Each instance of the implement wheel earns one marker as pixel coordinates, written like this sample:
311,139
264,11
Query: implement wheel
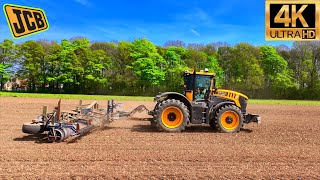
171,115
229,119
33,128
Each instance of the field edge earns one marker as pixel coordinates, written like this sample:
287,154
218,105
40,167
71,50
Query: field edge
145,98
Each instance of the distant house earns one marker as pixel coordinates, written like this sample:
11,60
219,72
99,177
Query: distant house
8,86
16,85
21,85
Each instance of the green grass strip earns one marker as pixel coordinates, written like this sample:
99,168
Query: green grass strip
75,96
142,98
284,102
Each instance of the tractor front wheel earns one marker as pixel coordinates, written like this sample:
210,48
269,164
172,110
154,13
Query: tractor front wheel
171,115
229,119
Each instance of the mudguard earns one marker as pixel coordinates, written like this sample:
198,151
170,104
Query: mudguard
172,95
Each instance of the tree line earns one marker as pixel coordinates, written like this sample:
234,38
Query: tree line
142,68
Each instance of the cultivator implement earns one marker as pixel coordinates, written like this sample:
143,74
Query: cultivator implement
60,125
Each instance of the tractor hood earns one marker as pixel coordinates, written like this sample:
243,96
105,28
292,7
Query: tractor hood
227,92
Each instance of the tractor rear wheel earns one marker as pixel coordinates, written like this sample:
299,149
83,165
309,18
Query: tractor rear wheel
229,119
171,115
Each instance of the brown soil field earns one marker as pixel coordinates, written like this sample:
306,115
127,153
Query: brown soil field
286,145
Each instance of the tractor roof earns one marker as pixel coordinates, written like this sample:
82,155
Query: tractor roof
199,73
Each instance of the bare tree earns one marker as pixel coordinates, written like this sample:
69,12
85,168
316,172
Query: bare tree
177,43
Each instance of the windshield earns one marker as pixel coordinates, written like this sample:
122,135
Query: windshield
202,86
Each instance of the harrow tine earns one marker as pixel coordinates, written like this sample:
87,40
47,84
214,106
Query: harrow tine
138,109
63,124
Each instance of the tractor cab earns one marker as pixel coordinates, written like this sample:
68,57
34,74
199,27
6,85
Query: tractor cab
198,85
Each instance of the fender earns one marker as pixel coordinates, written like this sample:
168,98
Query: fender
173,95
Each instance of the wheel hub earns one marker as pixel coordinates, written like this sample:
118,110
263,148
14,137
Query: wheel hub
229,120
172,116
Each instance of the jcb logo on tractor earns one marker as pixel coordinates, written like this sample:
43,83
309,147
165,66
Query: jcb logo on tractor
292,20
25,20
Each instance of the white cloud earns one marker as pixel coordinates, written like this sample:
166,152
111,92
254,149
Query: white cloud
196,16
195,32
201,14
82,2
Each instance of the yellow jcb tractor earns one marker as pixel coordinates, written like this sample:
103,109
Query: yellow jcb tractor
201,103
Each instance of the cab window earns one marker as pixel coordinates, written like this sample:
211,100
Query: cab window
189,82
202,86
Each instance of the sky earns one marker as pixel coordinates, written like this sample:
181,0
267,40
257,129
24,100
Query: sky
191,21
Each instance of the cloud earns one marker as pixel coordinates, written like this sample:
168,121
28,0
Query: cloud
196,16
141,30
82,2
195,32
54,33
201,14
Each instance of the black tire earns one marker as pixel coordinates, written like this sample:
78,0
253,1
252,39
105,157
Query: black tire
228,119
171,115
33,128
153,124
212,124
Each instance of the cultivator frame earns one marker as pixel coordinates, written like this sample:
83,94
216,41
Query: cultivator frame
61,125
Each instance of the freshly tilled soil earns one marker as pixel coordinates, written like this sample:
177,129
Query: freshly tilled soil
286,145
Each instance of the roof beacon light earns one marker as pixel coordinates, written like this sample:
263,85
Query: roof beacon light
206,70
